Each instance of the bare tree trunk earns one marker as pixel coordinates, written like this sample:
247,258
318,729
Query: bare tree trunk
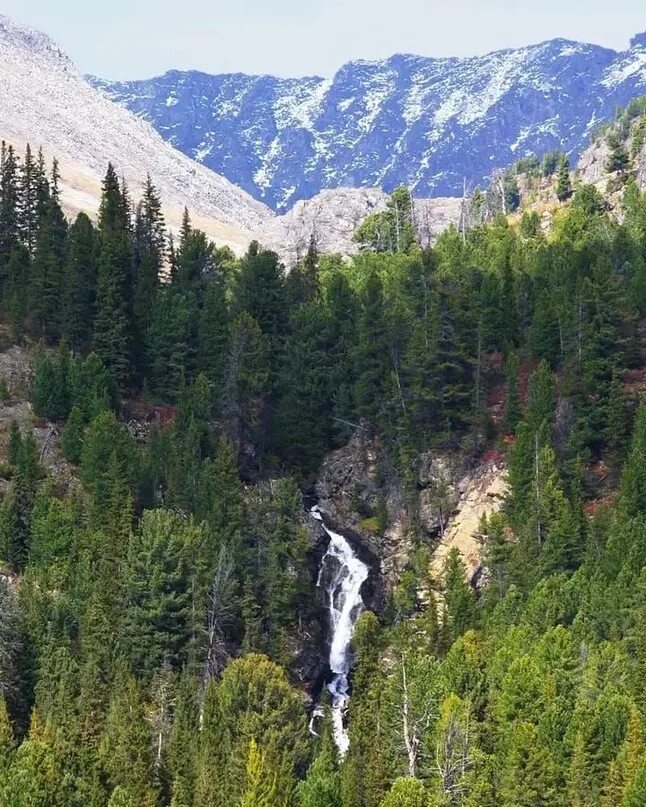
411,741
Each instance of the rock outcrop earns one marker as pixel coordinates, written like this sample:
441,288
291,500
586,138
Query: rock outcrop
333,216
478,494
354,493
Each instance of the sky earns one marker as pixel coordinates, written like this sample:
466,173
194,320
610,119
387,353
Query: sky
142,38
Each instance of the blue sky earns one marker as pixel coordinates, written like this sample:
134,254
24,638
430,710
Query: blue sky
141,38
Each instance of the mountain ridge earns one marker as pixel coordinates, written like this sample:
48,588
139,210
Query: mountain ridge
427,122
45,101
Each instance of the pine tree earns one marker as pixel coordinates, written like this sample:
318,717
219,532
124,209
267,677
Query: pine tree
29,208
79,290
635,796
9,204
580,775
159,583
322,786
253,701
213,334
260,781
49,393
149,247
48,271
125,749
72,436
633,480
7,743
512,403
459,599
112,338
260,293
246,384
370,351
563,181
16,289
406,792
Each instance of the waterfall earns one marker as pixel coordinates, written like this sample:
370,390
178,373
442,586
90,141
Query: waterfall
342,574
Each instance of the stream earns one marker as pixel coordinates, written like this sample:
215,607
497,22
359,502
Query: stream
341,575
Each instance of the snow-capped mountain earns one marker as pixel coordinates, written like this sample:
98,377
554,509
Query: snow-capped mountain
428,123
46,102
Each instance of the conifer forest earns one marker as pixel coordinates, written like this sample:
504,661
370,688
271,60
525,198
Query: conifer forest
163,639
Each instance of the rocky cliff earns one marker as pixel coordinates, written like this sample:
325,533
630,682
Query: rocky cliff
355,492
333,216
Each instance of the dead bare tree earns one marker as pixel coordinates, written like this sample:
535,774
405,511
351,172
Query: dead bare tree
161,714
416,716
453,750
220,616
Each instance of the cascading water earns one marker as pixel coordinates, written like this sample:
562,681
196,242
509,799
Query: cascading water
342,574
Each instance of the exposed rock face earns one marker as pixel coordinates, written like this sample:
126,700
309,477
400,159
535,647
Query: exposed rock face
333,216
592,165
46,102
453,497
478,494
434,216
352,495
409,120
640,168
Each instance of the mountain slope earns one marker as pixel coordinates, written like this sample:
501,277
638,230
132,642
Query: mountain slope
45,101
428,123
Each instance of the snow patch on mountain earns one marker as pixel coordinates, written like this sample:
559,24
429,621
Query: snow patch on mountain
428,123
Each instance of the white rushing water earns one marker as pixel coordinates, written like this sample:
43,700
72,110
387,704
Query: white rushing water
342,574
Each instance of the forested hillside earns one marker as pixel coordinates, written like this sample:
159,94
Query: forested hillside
158,591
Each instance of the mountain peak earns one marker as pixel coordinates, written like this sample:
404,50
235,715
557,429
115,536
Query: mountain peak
35,44
45,101
638,41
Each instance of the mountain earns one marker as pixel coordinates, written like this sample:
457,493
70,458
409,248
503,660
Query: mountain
428,123
45,101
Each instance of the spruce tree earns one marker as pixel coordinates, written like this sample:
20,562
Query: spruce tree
149,246
80,279
563,181
9,203
29,209
112,337
633,480
48,271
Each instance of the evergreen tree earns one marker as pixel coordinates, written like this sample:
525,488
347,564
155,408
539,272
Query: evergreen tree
563,181
370,351
112,337
406,792
159,583
633,480
125,749
48,271
322,786
459,599
9,203
79,291
260,781
72,436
